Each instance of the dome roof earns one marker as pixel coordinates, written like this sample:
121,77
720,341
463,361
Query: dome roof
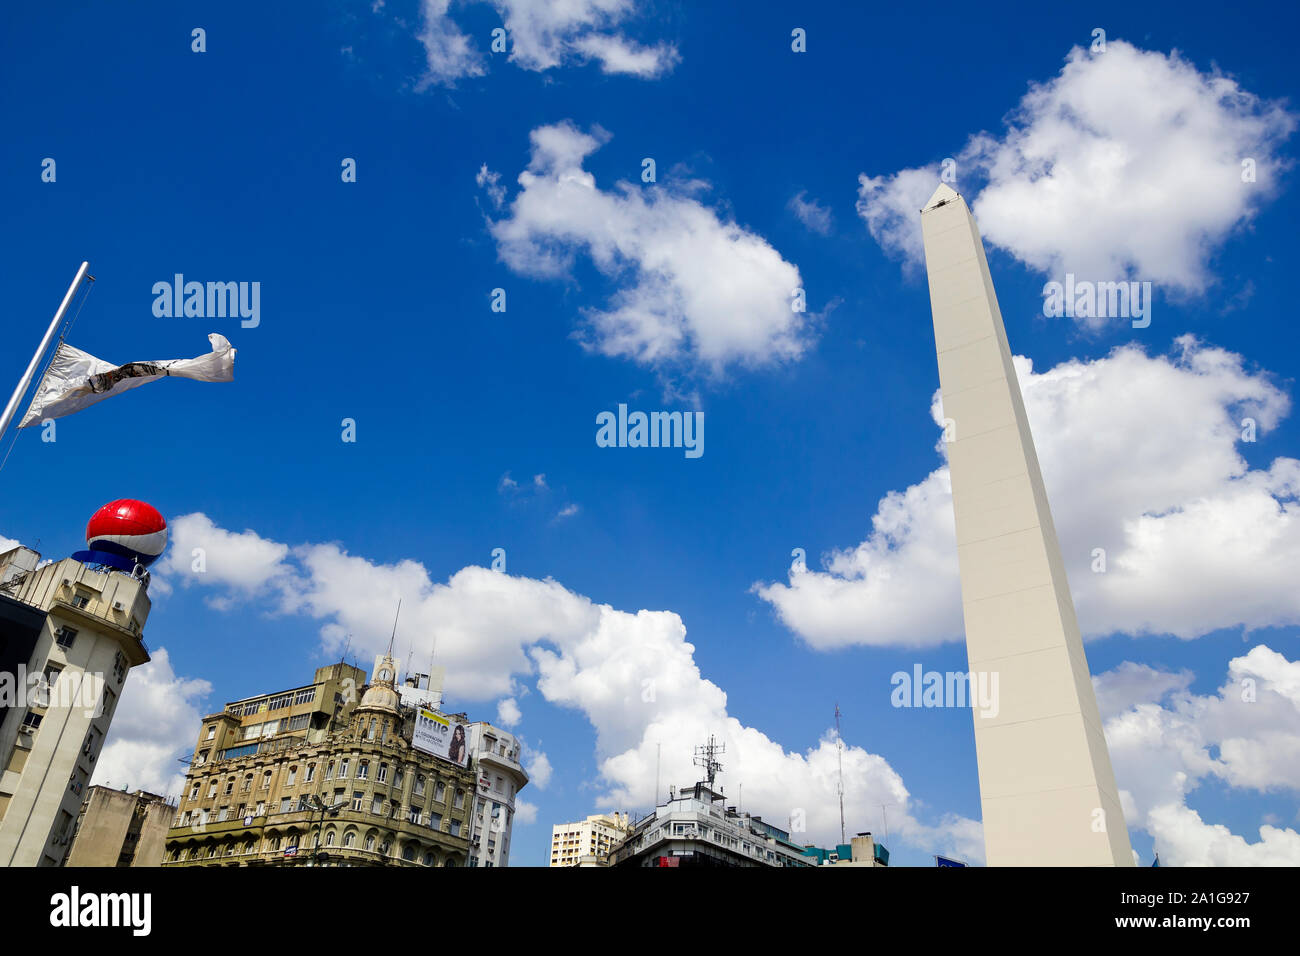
382,693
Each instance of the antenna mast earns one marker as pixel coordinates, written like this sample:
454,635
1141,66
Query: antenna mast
839,757
705,757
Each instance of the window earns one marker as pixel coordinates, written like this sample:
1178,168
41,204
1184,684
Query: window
305,696
358,797
266,780
248,784
343,769
370,841
460,800
419,784
371,734
311,773
363,770
349,838
329,838
230,786
293,773
490,743
81,600
297,723
261,807
222,814
397,777
500,781
435,821
194,792
408,854
383,773
64,636
212,790
329,770
440,792
413,814
428,859
377,804
286,805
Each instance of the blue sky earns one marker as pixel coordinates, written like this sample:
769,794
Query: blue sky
375,306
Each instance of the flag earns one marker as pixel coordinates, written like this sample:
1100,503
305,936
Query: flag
77,380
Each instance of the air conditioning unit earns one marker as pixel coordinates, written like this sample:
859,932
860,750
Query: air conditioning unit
118,606
26,731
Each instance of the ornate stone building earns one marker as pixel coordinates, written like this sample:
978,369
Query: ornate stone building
342,787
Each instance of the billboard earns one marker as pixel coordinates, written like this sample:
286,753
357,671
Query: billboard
436,735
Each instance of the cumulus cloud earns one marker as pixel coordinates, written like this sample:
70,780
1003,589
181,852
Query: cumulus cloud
1194,538
8,544
632,675
811,213
490,183
1165,741
508,713
539,770
694,287
156,721
543,35
1126,164
525,812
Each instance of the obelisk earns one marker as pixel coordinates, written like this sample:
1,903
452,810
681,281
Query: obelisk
1047,789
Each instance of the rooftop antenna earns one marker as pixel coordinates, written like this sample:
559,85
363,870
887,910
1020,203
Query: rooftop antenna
394,637
705,756
839,757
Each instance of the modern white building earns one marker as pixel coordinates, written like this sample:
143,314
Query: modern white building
588,842
494,757
695,827
68,635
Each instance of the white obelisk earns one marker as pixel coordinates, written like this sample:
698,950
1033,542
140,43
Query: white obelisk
1046,786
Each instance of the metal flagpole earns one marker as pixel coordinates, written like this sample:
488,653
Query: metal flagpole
12,408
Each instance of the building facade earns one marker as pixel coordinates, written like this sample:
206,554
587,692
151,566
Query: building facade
344,787
862,851
69,633
498,778
588,842
696,828
117,828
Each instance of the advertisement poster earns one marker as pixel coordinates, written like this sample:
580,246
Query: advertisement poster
435,734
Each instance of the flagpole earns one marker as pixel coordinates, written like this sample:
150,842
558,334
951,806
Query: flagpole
26,380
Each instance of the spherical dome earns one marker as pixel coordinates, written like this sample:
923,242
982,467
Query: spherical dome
129,529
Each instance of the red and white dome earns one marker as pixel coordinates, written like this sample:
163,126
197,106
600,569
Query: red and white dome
128,528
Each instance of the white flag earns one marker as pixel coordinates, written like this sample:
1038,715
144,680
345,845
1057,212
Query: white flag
77,380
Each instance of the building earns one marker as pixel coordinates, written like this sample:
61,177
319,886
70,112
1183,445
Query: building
588,842
303,776
863,851
499,776
696,828
69,633
1047,789
117,828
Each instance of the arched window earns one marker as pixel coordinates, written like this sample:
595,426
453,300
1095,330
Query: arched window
363,770
329,838
343,768
428,859
274,844
371,734
349,838
451,861
248,783
293,773
370,841
408,854
266,780
311,772
329,770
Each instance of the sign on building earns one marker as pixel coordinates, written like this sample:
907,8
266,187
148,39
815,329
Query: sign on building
436,735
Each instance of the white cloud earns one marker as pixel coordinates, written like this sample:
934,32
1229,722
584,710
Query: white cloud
525,812
1163,744
1195,539
632,675
568,511
542,35
539,770
156,722
242,560
1128,163
449,55
695,288
811,213
8,544
508,713
490,182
